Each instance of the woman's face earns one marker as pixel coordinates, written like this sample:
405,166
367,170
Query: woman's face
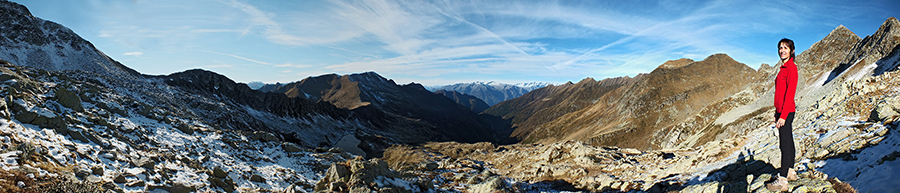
784,51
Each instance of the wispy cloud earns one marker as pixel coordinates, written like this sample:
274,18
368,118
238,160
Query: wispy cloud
136,54
294,65
238,57
219,66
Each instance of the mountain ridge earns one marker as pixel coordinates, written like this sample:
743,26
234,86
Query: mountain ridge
435,112
491,92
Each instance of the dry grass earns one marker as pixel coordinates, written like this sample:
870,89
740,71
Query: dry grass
841,187
456,150
10,178
54,168
403,157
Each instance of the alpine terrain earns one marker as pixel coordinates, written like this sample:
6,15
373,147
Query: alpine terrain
73,119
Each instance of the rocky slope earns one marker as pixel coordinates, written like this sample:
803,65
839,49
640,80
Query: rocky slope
66,129
548,103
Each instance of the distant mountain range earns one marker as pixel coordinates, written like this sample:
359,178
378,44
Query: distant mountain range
491,92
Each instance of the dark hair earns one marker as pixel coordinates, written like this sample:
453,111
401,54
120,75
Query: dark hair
790,44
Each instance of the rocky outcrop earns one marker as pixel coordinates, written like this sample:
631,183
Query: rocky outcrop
369,176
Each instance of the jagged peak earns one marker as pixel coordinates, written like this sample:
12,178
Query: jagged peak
841,29
587,80
839,32
890,23
890,27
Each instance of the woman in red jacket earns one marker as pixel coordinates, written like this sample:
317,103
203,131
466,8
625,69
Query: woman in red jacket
785,89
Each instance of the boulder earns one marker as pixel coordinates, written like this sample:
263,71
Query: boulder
366,176
226,184
138,183
335,173
120,179
290,147
144,162
26,116
81,172
264,136
97,170
180,188
219,173
4,110
69,99
492,184
257,178
885,110
184,128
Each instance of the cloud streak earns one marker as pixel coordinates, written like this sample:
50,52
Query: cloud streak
135,54
238,57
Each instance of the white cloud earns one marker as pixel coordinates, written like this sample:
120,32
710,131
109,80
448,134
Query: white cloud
135,54
294,65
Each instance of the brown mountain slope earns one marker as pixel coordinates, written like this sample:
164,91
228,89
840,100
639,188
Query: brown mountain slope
629,115
545,104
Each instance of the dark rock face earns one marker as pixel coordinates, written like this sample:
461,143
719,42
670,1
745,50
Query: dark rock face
468,101
218,86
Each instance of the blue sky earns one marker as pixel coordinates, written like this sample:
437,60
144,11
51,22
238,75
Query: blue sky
445,42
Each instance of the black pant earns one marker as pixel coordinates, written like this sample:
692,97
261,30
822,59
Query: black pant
786,142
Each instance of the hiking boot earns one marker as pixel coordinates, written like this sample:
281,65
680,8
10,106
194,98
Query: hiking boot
792,175
779,185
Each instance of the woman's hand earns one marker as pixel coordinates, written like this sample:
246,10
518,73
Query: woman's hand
779,123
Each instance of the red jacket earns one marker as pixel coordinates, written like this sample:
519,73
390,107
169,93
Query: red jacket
786,88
